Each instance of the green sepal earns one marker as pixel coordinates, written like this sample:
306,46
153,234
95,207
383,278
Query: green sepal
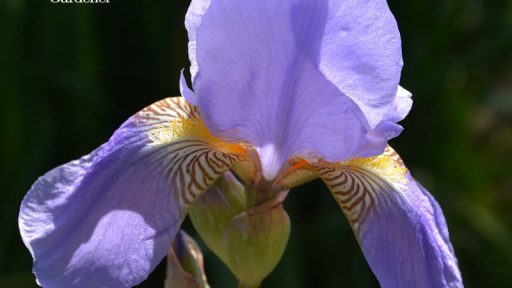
249,240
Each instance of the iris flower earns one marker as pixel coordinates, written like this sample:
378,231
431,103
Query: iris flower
283,91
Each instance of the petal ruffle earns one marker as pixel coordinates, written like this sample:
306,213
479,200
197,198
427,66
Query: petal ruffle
193,20
401,106
294,77
400,227
107,219
377,139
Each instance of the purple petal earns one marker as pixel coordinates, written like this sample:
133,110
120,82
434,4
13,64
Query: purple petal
294,77
188,94
193,21
107,219
400,227
103,220
361,54
401,106
377,138
406,243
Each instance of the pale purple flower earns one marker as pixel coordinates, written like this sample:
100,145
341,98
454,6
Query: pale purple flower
295,89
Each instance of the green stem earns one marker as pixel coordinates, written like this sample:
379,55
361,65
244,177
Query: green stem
260,193
248,286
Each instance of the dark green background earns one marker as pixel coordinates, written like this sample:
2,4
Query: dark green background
71,74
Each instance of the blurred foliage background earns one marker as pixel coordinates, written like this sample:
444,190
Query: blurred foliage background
71,74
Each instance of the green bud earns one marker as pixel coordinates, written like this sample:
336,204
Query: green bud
185,264
255,243
249,238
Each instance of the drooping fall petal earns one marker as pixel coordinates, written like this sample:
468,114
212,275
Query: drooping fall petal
107,219
399,225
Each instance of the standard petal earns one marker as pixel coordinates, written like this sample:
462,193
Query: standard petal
193,21
188,94
377,139
400,227
401,106
106,220
294,77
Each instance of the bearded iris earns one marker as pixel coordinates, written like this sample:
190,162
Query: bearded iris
282,92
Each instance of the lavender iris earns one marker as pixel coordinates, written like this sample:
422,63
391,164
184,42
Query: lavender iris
282,92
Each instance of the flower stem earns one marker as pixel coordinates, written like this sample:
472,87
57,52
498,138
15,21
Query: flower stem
248,286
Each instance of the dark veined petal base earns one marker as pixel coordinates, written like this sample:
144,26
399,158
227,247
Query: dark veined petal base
400,227
107,219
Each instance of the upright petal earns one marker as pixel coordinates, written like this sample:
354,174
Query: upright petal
401,106
107,219
294,77
188,94
400,227
377,138
193,21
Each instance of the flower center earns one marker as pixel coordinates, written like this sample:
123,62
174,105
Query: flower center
271,162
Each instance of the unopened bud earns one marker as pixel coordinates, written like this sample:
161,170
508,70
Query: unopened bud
185,264
255,242
249,240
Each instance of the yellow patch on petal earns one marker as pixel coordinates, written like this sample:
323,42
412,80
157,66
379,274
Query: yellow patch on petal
181,127
363,185
388,165
195,157
186,127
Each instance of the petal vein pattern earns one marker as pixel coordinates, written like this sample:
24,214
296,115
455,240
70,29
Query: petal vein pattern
358,189
107,219
398,224
196,157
